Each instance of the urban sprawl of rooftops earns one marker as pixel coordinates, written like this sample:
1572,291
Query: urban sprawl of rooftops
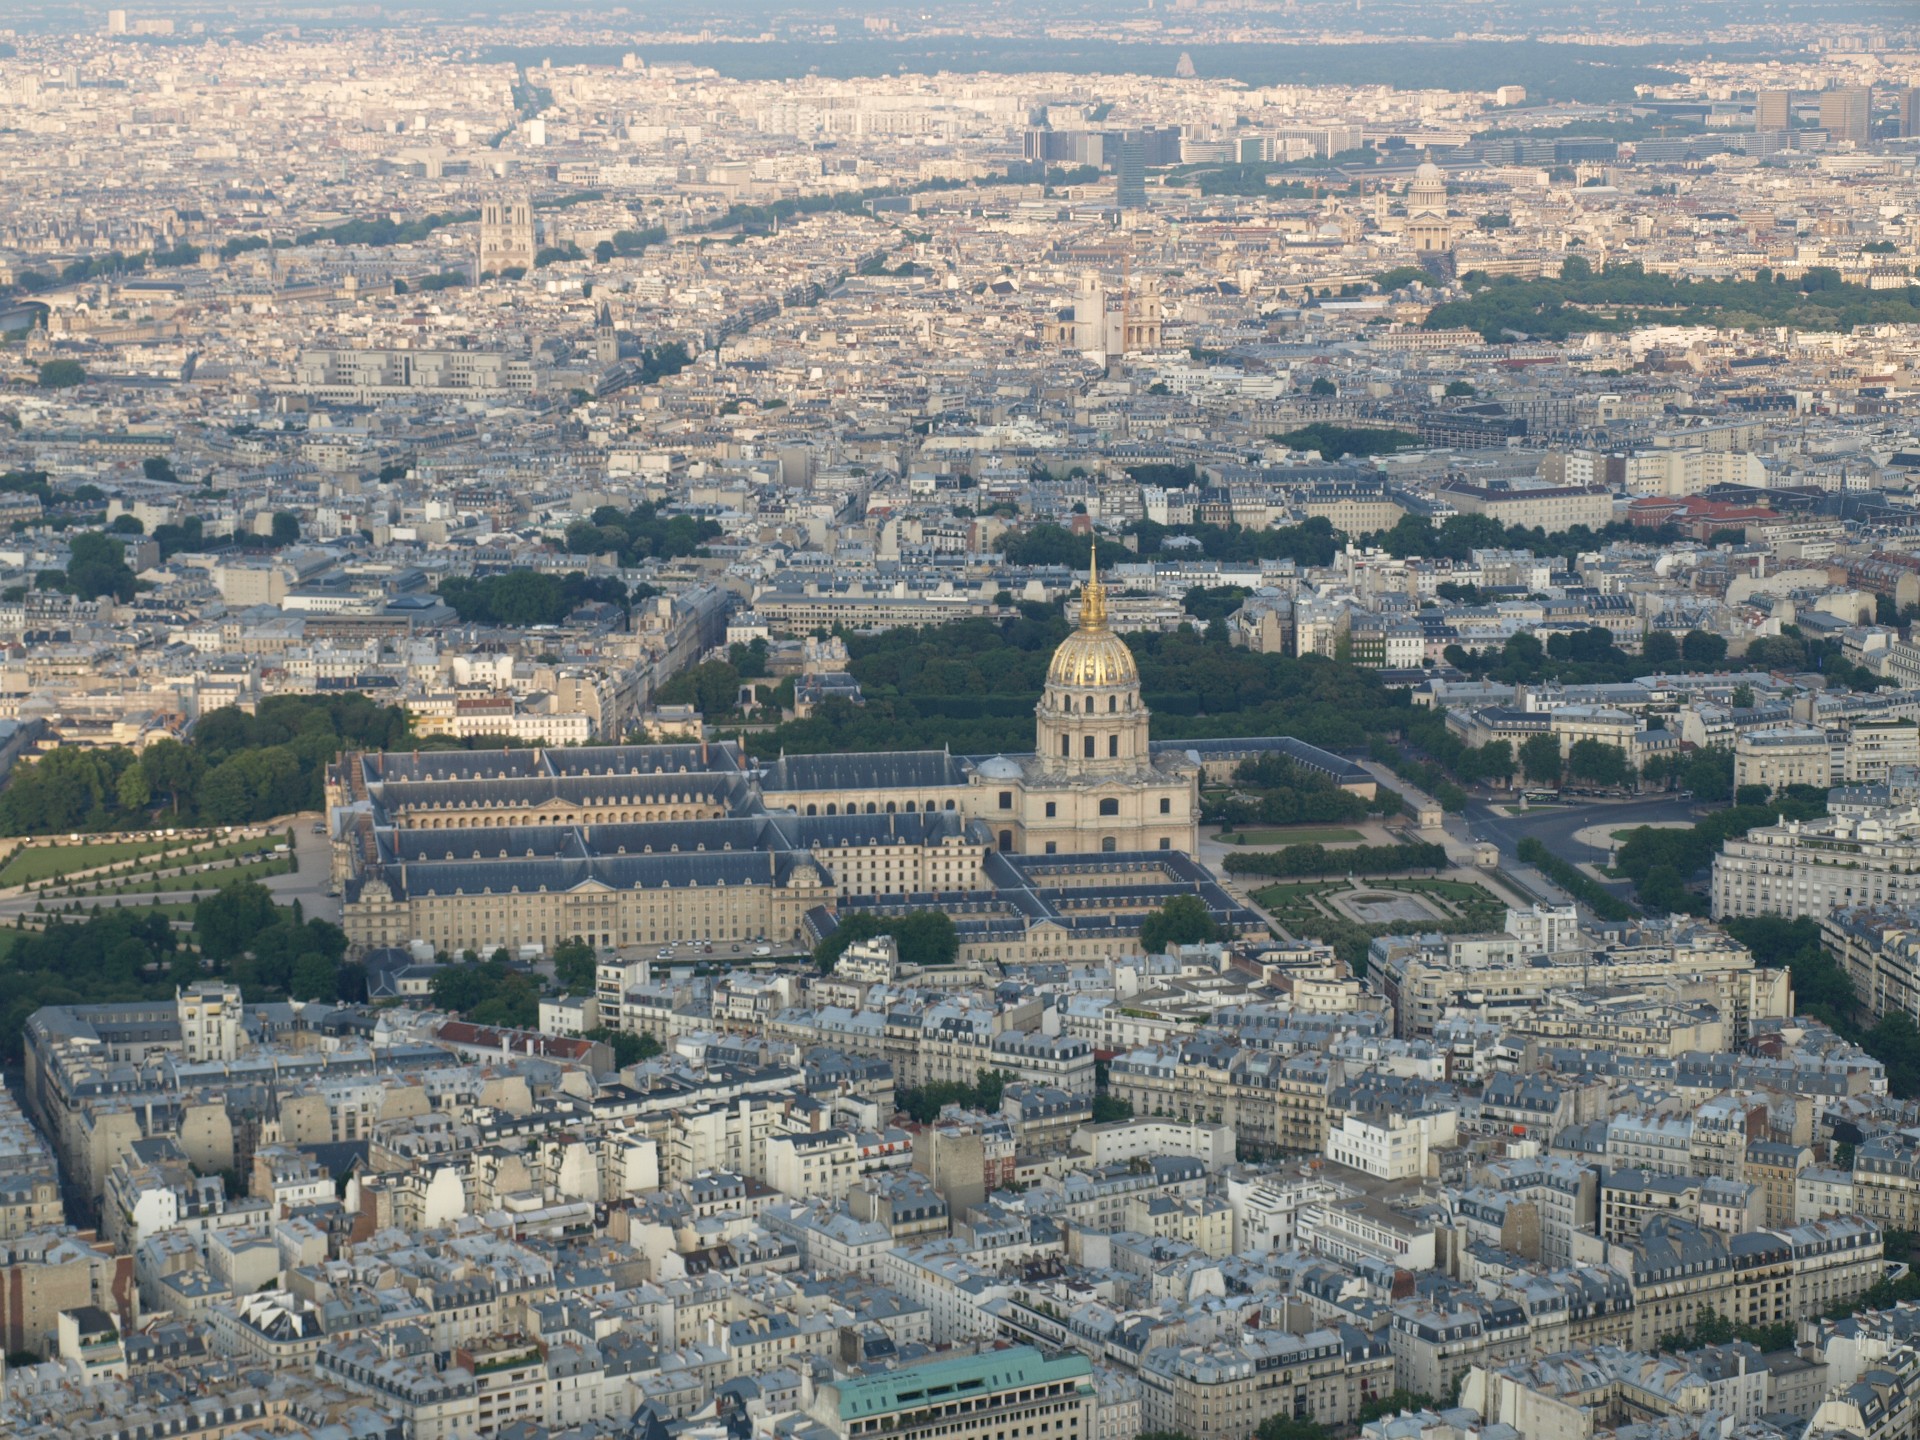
1182,724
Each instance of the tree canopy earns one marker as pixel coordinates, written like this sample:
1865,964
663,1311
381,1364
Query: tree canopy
233,767
527,597
1183,920
639,534
1624,297
970,685
921,937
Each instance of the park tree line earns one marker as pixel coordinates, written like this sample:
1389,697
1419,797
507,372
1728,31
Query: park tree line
1301,860
1315,541
532,597
1546,308
232,768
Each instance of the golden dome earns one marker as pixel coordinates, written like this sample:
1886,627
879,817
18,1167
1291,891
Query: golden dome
1093,654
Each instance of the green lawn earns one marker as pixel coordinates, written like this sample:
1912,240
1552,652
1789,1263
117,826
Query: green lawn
43,862
173,909
1479,909
197,880
1293,835
204,855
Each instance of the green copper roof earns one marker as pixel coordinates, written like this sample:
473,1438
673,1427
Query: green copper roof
1013,1368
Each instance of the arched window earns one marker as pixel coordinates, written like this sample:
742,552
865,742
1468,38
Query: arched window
1106,844
1113,703
1089,704
832,809
872,809
815,809
1110,806
890,809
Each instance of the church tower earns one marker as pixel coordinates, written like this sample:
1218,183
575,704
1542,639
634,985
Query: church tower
1090,722
606,340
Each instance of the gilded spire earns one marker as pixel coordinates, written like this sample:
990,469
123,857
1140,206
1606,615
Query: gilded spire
1093,599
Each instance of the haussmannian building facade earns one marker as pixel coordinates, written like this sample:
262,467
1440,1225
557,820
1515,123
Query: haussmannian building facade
1816,867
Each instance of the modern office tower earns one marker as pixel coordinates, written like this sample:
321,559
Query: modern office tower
1773,110
506,235
1844,113
1130,169
1910,112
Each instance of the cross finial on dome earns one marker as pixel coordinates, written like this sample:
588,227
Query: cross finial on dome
1093,599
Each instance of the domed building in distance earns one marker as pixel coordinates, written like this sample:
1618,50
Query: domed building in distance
1429,226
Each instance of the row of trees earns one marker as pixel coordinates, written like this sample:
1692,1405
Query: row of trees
530,597
1576,882
1556,308
1312,542
1589,657
1429,775
1334,441
96,267
1710,1327
1047,544
1458,536
1707,773
1353,860
234,768
384,230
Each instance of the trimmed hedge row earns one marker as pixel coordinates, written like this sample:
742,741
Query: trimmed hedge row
1357,860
